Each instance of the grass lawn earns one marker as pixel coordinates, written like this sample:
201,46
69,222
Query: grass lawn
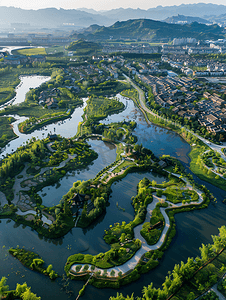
32,51
100,107
176,195
35,111
202,174
123,165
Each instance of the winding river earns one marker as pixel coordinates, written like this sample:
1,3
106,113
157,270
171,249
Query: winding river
26,83
193,228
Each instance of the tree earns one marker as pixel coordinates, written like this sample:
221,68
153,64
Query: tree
59,79
191,296
3,287
53,275
222,234
122,238
153,183
159,193
49,269
205,252
28,295
21,288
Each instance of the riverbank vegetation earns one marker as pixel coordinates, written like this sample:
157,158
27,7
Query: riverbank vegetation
33,262
22,291
191,279
100,107
46,104
6,130
198,147
34,123
10,80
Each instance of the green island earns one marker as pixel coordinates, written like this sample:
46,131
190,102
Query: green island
37,165
97,108
33,261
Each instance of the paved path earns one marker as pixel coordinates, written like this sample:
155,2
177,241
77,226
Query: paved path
214,288
18,181
49,147
3,199
130,264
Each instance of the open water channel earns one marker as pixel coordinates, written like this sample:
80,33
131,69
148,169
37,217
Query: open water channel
193,228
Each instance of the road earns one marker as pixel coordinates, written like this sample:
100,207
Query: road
217,148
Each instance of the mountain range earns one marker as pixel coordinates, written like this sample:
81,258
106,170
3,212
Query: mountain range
52,17
181,19
150,30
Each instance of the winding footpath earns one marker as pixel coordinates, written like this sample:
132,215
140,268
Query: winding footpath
131,264
23,176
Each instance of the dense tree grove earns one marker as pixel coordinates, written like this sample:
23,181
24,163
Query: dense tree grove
22,291
32,152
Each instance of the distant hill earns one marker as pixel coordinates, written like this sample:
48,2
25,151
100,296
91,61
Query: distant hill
155,30
84,32
83,47
50,17
181,19
90,29
218,19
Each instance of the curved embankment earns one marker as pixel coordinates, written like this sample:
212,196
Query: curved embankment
143,106
130,264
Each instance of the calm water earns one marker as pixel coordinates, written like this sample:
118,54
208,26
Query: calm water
66,128
26,83
193,228
106,155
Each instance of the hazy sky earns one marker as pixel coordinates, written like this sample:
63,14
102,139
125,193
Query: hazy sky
99,4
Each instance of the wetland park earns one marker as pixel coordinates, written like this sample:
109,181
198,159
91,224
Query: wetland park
100,194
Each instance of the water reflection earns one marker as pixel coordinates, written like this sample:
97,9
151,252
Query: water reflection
193,228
